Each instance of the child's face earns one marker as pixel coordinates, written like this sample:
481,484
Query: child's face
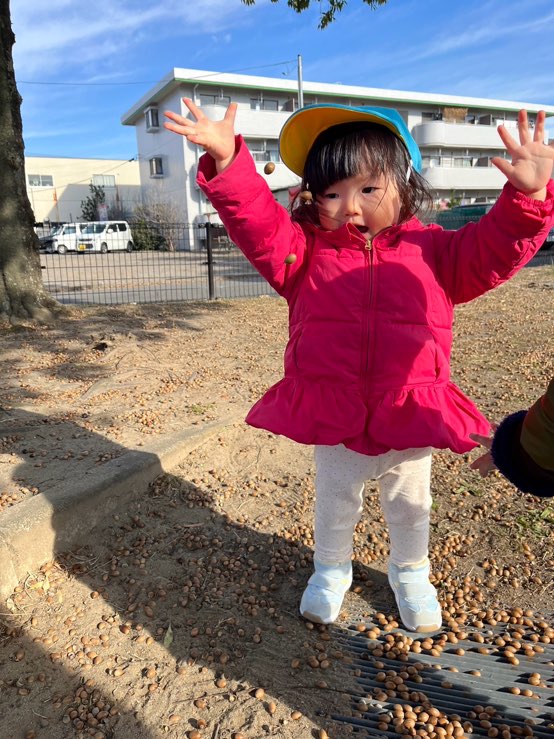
369,202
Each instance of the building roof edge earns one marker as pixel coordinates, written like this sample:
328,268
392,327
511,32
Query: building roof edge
230,79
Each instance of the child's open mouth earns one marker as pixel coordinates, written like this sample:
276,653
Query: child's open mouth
362,229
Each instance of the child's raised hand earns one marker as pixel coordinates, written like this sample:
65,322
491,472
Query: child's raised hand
216,137
532,160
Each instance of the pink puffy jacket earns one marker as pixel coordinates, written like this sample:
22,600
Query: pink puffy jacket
370,323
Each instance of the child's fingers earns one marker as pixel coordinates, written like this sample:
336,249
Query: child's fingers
539,127
194,109
483,440
477,464
507,139
231,113
503,165
178,124
175,117
523,127
484,465
176,128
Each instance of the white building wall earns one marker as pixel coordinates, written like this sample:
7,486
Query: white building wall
71,177
478,180
439,140
459,135
180,157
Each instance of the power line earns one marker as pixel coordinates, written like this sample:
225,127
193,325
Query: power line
149,82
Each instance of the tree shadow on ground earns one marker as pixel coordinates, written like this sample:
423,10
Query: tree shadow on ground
184,592
187,591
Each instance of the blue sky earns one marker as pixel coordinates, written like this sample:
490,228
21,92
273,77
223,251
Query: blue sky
116,51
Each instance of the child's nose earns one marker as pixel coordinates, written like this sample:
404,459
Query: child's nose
351,205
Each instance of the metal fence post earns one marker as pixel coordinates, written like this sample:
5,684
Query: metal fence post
210,255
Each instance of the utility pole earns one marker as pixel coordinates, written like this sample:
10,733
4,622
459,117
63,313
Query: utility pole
300,90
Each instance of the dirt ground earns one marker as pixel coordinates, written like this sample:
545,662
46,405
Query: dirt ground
178,616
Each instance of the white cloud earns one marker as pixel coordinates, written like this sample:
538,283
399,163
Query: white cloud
62,34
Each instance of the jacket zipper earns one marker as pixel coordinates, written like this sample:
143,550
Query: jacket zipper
368,333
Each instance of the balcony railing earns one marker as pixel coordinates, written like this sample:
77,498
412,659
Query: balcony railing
461,134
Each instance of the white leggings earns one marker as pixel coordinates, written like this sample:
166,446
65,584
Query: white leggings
404,485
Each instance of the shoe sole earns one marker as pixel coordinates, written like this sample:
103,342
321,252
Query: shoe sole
425,628
314,618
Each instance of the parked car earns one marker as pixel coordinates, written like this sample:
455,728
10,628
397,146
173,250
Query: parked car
62,239
459,215
105,236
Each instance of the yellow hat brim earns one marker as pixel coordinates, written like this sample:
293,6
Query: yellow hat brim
302,129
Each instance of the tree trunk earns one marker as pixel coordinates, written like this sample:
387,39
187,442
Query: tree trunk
22,294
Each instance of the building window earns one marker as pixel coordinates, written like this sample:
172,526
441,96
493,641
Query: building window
152,119
103,180
40,180
224,100
263,104
263,150
156,167
434,115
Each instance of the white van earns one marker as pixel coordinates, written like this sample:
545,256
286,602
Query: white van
62,239
105,236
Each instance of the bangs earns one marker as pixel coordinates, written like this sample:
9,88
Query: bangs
350,149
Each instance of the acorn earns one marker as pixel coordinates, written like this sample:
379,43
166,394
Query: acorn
269,167
290,259
306,196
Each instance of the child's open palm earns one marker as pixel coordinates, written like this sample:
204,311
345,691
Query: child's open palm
532,160
216,137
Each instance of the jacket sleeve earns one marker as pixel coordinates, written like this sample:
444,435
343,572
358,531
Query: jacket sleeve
516,463
482,255
255,221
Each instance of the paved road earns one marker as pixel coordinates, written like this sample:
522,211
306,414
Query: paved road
139,277
152,277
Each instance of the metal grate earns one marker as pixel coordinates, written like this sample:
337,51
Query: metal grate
454,685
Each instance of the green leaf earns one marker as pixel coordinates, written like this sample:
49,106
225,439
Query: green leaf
168,638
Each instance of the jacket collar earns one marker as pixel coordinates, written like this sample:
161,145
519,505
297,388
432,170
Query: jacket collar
349,234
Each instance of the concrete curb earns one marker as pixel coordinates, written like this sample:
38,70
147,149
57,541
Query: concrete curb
32,532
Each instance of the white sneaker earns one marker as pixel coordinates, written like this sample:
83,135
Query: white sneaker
415,597
322,599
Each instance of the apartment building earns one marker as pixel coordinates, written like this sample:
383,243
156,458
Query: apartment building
56,186
457,135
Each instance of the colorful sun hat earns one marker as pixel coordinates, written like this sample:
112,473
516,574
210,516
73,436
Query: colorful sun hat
303,127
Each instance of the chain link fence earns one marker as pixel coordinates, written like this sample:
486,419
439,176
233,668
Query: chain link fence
166,263
163,263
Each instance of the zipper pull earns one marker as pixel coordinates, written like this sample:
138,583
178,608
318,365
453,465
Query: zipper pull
369,244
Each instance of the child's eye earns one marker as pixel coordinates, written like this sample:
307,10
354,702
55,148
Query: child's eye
368,190
330,195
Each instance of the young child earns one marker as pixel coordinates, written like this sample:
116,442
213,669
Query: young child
371,293
522,447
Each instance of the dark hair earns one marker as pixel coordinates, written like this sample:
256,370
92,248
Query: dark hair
348,150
